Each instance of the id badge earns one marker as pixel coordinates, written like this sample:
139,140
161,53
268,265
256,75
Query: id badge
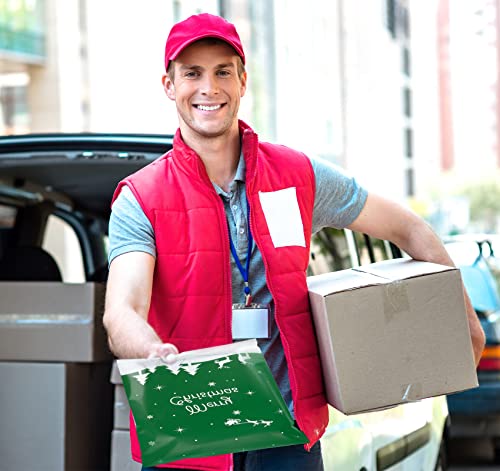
252,322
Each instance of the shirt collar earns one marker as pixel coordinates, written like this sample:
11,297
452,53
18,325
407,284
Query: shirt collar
239,176
241,169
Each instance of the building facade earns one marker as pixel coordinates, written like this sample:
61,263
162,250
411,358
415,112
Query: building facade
333,79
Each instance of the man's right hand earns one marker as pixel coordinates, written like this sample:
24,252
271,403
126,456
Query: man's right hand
162,350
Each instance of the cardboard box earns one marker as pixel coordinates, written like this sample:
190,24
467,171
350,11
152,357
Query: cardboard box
121,459
52,321
390,333
121,409
55,416
115,377
121,405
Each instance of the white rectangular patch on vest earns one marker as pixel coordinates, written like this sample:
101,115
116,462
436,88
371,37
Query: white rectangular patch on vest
282,213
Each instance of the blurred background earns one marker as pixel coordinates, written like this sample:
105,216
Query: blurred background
402,93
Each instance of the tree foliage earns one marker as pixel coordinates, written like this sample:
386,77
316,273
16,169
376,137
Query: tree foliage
484,201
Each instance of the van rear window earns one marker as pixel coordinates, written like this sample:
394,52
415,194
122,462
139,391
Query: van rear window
7,216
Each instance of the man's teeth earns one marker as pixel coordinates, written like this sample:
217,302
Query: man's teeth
208,108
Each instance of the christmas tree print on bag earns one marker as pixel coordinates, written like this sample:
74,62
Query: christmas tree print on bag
206,402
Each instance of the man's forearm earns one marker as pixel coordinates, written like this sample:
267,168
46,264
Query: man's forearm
420,242
129,335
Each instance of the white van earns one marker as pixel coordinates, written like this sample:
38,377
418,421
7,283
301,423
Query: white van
55,193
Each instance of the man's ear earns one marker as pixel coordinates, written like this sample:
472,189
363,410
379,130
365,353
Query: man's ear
243,86
168,86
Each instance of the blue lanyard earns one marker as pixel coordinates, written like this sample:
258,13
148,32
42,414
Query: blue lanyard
244,271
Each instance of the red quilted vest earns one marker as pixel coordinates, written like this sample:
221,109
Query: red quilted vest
191,297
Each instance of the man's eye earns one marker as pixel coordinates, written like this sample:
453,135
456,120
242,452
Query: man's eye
223,73
191,74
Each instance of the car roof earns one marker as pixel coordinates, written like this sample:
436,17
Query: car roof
79,170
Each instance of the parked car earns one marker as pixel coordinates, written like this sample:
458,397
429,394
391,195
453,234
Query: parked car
55,193
476,412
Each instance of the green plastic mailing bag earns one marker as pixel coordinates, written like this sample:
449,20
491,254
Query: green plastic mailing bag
206,402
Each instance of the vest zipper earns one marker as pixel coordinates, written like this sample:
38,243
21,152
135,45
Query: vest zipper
225,247
284,342
229,315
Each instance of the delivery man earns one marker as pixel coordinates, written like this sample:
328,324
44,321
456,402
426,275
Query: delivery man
224,220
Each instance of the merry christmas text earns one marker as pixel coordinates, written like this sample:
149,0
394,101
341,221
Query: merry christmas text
194,408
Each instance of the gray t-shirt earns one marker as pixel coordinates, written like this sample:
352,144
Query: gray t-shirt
338,202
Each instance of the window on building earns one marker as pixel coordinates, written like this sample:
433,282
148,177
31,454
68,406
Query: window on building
397,18
410,182
407,102
390,16
408,142
406,62
14,117
22,27
403,21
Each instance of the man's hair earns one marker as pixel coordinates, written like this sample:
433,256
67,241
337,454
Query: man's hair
212,42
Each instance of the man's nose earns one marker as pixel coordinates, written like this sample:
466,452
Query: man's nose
209,85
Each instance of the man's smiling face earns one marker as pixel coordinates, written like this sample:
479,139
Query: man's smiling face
206,87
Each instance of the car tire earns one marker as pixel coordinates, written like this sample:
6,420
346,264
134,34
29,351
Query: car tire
496,451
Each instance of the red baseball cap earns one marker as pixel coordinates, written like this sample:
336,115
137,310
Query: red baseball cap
198,27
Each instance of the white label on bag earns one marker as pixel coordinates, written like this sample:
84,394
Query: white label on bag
282,213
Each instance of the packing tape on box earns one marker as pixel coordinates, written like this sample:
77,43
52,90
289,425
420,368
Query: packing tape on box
411,392
395,300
